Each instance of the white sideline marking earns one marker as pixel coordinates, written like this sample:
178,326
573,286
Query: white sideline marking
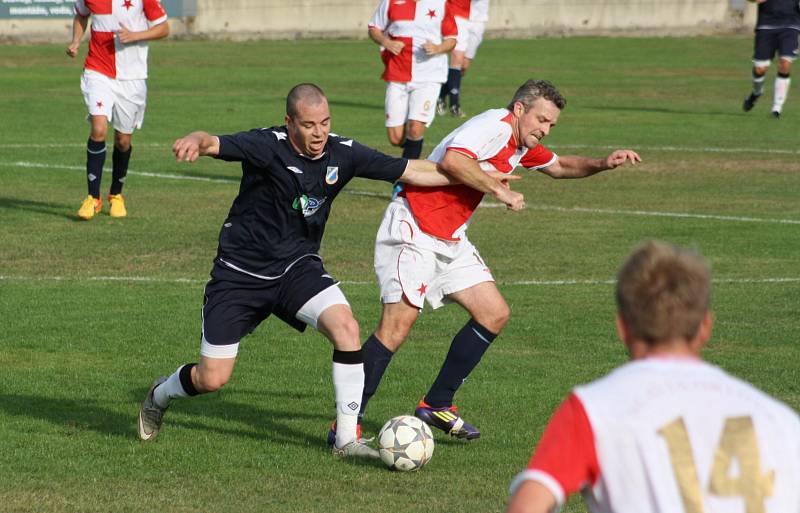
484,204
705,149
148,279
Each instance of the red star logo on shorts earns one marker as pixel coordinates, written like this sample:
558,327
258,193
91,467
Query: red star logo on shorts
99,104
431,13
127,4
422,288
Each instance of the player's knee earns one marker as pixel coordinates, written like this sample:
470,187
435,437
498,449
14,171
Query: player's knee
396,139
496,319
211,381
759,71
351,331
416,131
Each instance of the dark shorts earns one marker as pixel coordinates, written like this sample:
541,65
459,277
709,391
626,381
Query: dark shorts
236,303
769,41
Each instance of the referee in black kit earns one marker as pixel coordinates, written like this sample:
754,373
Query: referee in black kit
267,261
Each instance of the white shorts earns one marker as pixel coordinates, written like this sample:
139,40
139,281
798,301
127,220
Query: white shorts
418,266
411,100
121,101
470,36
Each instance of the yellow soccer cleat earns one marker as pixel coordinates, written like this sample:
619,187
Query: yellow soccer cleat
117,203
90,207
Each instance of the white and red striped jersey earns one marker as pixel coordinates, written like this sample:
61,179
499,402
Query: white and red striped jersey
472,10
445,211
106,54
671,435
414,22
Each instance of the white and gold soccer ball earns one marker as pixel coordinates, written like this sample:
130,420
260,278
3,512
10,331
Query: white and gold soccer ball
405,443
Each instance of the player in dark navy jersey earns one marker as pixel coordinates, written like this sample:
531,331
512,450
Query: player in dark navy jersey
268,262
777,29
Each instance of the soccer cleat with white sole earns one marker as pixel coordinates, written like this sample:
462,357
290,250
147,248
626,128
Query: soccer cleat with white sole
447,419
355,449
151,414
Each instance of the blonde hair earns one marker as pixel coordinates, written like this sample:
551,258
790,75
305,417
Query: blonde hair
663,292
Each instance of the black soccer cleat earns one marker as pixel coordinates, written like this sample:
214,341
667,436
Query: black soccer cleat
749,102
776,114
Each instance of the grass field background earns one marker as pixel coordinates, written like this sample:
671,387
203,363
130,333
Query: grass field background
92,312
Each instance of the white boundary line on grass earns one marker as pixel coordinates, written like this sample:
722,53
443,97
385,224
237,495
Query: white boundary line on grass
485,204
702,149
148,279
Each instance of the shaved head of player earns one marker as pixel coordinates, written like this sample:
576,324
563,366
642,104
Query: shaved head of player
308,119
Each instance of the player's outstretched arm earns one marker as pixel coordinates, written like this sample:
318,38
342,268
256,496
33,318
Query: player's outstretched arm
155,32
194,145
467,171
572,166
79,24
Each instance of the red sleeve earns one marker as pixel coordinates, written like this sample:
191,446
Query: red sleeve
537,157
153,10
566,451
449,27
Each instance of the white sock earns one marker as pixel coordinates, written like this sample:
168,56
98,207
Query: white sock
172,387
348,384
781,90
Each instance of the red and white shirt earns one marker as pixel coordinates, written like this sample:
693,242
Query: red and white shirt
414,22
445,211
106,54
472,10
671,435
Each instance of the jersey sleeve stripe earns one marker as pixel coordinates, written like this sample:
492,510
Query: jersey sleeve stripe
549,163
542,477
463,151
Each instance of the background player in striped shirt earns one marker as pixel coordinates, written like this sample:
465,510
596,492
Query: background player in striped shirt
414,36
471,17
114,85
666,432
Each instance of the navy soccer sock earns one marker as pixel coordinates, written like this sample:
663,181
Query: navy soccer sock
119,161
376,359
95,159
443,92
465,352
412,149
454,86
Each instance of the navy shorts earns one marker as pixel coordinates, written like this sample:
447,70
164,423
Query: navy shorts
236,303
768,41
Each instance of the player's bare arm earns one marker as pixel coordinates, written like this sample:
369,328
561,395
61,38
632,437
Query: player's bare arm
532,497
425,173
467,171
79,24
380,38
572,166
194,145
127,36
434,49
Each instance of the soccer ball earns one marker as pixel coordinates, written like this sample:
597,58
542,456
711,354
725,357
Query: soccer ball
405,443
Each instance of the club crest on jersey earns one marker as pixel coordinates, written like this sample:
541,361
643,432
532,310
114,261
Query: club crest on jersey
307,205
332,176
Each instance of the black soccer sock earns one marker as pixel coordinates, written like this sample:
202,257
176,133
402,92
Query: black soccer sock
119,161
376,359
412,149
758,83
95,159
443,92
465,352
454,85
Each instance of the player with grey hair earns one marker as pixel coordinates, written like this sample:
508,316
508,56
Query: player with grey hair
422,251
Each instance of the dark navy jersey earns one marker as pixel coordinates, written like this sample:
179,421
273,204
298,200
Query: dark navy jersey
285,198
774,14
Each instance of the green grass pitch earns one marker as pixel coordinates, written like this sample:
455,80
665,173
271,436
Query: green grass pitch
92,312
